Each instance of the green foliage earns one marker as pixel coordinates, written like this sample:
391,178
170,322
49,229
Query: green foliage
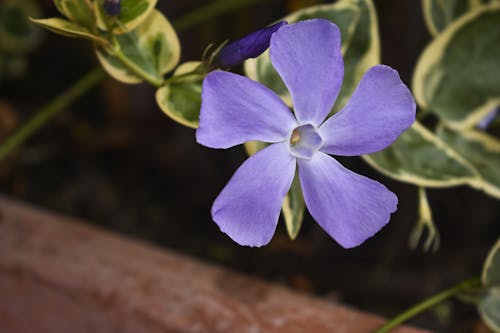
456,78
424,223
438,14
482,151
294,208
457,75
421,158
180,97
78,11
69,29
138,45
489,304
357,22
17,34
363,51
491,269
147,52
132,14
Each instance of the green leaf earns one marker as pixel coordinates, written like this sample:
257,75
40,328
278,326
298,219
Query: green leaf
457,75
482,151
153,48
181,99
419,157
489,305
80,12
363,51
491,268
294,208
132,14
346,14
69,29
489,308
438,14
254,146
17,34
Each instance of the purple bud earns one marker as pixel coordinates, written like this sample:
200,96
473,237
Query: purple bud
250,46
488,119
112,7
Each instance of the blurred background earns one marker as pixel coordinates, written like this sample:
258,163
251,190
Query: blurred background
113,158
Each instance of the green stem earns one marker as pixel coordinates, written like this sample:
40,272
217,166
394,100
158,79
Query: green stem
93,77
50,111
195,17
209,11
466,285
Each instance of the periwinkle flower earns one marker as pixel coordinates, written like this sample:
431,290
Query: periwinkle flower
112,7
235,109
250,46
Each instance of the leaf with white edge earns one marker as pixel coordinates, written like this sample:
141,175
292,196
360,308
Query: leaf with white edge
363,52
438,14
345,14
419,157
489,304
489,308
181,99
457,75
17,34
491,268
69,29
80,12
153,48
132,14
252,147
294,208
159,39
482,151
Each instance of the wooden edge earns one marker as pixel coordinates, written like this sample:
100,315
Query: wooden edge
60,275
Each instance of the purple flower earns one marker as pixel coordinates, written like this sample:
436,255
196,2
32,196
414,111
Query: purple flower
250,46
235,109
112,7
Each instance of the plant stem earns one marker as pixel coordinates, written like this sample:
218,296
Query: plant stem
210,11
96,75
217,7
466,285
49,111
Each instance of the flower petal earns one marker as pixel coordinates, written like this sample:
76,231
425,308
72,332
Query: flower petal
380,110
235,109
349,207
307,56
248,208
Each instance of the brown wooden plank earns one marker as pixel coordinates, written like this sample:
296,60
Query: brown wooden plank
59,275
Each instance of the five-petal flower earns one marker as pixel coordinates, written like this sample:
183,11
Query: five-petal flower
235,109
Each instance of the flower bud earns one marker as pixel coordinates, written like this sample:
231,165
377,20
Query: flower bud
488,119
250,46
112,7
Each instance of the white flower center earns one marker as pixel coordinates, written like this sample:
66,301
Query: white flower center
305,141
